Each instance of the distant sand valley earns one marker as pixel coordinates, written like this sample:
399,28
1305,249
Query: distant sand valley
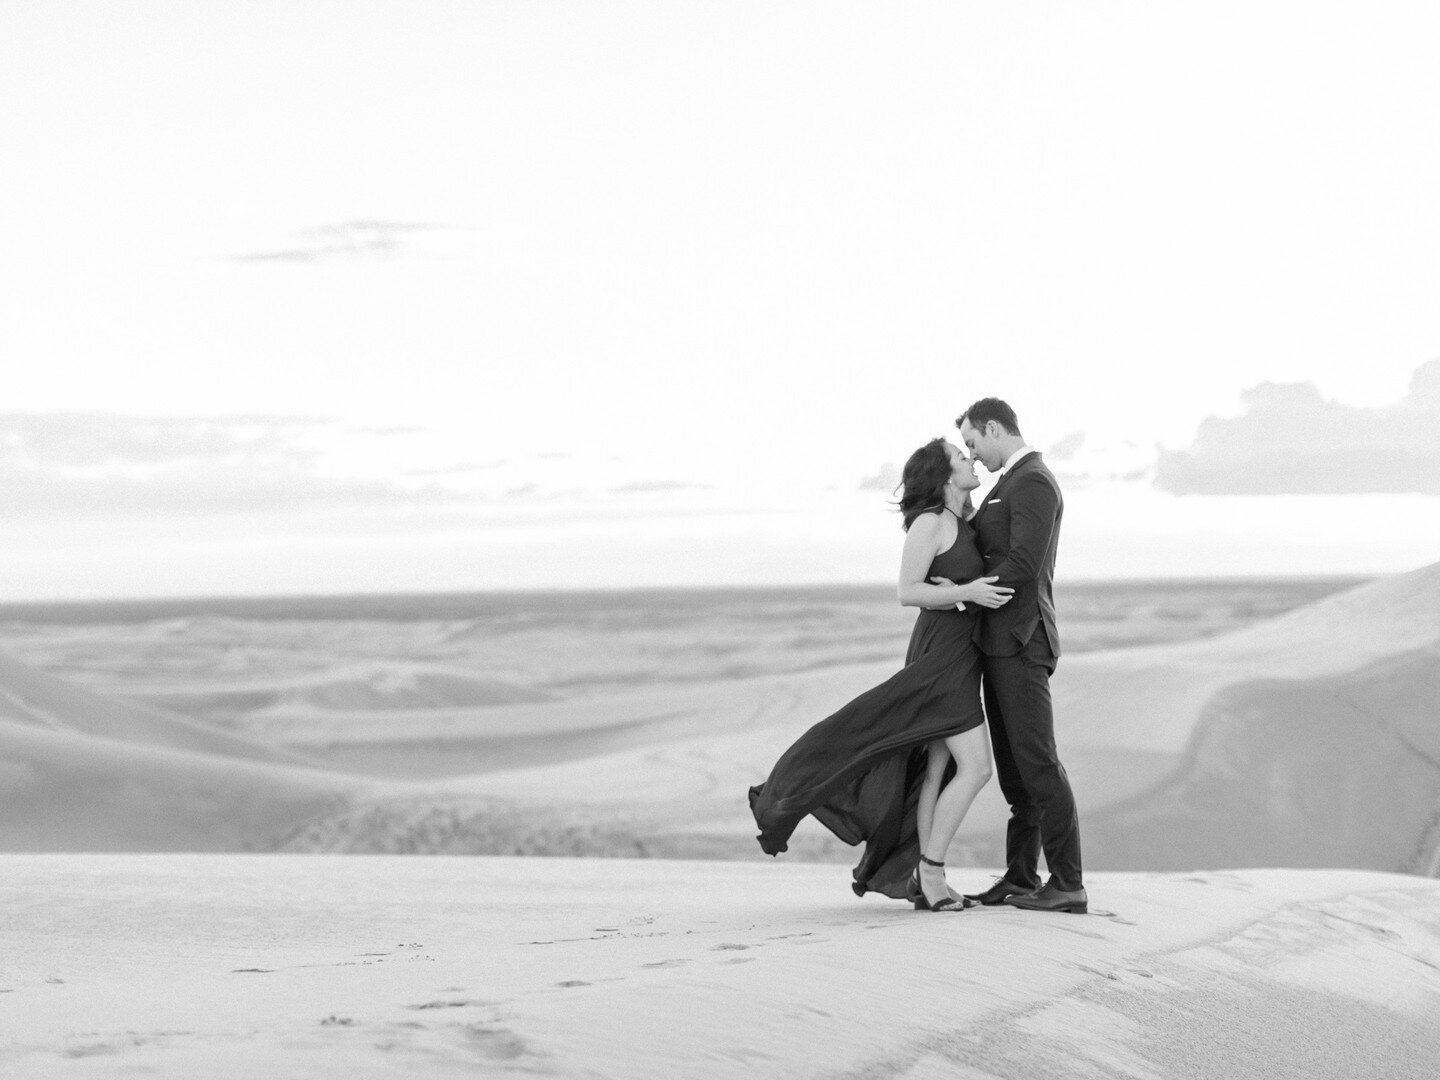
1204,724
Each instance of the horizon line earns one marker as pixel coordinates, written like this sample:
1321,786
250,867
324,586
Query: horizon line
1149,581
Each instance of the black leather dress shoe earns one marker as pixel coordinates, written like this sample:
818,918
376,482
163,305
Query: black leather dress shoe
1050,898
997,893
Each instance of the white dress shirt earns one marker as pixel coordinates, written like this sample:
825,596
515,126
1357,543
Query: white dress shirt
1016,456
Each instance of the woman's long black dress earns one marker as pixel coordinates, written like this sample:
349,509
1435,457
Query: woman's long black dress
859,770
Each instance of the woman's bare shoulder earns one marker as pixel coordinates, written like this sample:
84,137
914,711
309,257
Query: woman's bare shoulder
927,524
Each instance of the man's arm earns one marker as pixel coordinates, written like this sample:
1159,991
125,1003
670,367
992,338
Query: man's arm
1033,506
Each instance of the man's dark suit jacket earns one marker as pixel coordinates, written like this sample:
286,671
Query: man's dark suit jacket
1017,530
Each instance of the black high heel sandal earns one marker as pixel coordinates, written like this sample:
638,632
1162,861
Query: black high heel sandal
919,900
914,893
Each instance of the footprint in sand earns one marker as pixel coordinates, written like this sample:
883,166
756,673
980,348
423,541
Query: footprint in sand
1377,931
573,982
1082,933
665,963
494,1043
1102,913
727,945
91,1049
458,1004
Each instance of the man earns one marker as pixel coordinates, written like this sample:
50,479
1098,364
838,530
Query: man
1017,530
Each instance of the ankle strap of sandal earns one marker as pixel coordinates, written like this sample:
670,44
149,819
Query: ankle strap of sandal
932,862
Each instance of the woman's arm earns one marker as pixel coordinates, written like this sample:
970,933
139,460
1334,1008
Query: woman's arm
982,591
922,544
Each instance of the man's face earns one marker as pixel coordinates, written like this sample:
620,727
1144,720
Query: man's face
983,446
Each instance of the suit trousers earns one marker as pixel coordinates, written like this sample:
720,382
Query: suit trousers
1022,735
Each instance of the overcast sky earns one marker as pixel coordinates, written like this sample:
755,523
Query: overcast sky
319,297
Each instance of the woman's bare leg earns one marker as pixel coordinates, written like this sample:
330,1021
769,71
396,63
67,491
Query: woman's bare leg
971,750
939,757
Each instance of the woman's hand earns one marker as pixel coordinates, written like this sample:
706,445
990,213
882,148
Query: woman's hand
981,591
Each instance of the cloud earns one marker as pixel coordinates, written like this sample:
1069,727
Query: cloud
1291,440
82,441
100,466
1078,461
355,241
886,478
1066,448
390,429
657,486
457,469
1081,461
96,464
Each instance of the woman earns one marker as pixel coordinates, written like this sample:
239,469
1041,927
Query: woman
899,766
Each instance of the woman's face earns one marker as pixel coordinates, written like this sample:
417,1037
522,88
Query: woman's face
962,469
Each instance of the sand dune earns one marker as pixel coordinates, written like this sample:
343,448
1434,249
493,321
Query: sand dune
314,966
1342,770
1309,739
31,697
451,741
381,689
62,791
1149,698
79,771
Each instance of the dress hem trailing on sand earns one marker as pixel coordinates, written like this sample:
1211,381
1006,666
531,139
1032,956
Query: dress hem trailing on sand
859,770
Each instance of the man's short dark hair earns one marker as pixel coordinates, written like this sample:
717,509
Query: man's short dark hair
987,409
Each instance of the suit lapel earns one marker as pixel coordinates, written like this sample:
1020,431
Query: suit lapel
999,484
1024,462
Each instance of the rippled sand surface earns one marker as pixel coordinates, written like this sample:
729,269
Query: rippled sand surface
327,966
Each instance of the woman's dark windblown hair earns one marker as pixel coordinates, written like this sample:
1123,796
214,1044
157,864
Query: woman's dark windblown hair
923,482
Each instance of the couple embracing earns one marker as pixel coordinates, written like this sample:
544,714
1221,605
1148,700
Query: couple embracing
898,767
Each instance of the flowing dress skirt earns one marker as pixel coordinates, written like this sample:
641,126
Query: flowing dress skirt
859,770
